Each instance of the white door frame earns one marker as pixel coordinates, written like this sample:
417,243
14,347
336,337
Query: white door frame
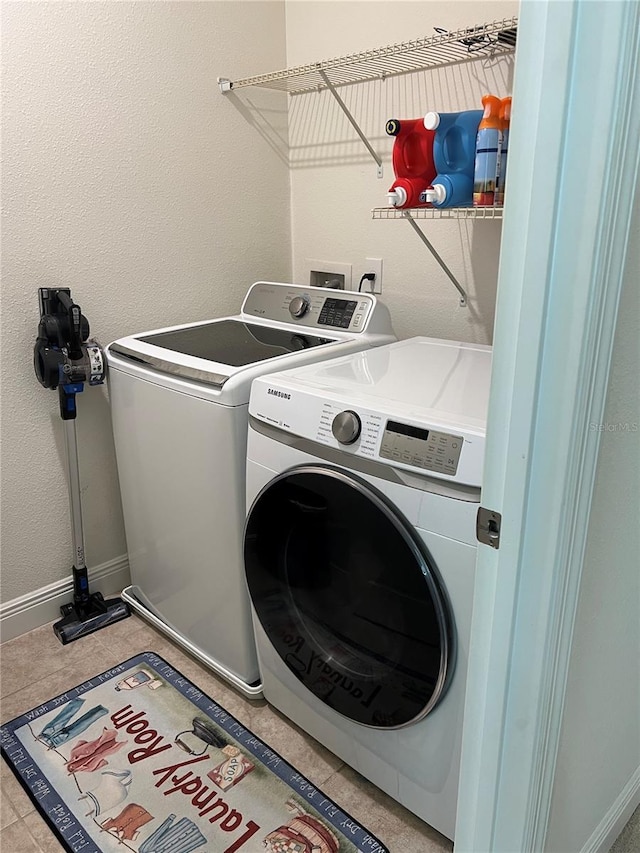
572,175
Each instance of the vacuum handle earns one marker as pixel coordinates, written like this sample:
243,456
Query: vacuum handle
75,505
74,315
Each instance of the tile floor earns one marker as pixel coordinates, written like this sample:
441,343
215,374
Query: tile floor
36,667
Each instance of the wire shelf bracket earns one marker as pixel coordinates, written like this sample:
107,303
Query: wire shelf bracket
411,214
430,247
353,122
227,85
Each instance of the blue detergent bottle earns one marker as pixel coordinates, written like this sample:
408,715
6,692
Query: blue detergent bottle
454,151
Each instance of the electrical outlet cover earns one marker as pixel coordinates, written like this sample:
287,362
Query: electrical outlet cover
373,265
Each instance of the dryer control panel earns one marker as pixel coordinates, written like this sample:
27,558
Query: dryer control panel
418,405
380,436
422,448
417,447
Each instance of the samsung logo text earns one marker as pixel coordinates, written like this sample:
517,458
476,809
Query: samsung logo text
276,393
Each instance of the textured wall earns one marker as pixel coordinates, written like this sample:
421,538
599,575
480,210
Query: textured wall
128,177
334,182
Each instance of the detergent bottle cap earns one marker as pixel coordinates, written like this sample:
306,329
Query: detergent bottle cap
432,120
397,197
436,194
392,127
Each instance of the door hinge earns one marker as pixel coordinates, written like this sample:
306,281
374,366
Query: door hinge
488,524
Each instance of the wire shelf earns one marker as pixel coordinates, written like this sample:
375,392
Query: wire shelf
445,48
437,213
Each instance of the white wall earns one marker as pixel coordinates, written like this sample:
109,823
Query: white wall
128,177
600,745
334,183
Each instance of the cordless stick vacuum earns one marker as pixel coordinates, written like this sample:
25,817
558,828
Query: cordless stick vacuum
65,358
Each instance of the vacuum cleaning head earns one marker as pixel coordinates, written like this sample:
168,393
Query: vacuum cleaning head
103,612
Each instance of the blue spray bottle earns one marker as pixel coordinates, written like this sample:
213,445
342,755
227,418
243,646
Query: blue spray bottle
488,145
505,119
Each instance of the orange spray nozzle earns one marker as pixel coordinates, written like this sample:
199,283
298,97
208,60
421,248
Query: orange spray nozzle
505,111
491,118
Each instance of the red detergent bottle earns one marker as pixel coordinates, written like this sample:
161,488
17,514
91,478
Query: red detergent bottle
488,144
412,159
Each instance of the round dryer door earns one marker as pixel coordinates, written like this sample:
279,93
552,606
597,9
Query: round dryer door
348,596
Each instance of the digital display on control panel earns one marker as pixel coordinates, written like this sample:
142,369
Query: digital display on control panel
422,448
405,429
337,312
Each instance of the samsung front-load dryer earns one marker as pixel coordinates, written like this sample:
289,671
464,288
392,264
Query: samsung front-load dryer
363,482
179,400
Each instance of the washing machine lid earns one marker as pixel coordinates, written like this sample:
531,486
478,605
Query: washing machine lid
229,342
234,342
282,323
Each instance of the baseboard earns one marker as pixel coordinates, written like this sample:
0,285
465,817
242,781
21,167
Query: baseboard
43,605
616,818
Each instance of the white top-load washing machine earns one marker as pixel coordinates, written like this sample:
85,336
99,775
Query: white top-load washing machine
179,400
363,483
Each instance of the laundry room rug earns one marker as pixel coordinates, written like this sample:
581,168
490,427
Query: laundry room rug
138,758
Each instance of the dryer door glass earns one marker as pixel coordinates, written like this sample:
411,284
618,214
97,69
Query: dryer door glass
349,596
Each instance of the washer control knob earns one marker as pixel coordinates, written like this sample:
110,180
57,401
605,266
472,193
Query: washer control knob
299,306
346,427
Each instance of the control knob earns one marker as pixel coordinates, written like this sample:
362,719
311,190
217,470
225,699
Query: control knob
299,306
346,427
